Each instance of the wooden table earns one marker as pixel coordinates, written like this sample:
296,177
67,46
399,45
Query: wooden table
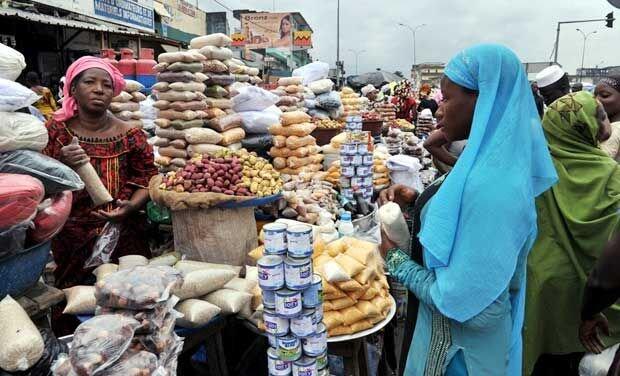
39,299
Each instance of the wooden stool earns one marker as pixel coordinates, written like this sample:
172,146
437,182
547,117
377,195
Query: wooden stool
354,356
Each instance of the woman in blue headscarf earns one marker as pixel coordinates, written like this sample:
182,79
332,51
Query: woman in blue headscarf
478,223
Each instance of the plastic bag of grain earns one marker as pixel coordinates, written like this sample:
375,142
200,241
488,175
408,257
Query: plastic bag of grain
187,266
21,131
217,39
196,313
80,300
241,284
22,344
253,98
394,225
201,282
12,63
229,301
202,136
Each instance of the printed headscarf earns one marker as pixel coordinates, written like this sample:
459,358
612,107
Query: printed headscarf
611,81
69,105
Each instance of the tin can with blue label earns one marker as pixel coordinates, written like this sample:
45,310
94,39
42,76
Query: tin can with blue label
275,238
363,170
273,340
299,241
367,160
303,325
270,272
277,367
289,348
362,148
275,324
288,303
305,367
297,273
318,314
316,344
321,362
348,148
346,160
347,171
269,298
313,295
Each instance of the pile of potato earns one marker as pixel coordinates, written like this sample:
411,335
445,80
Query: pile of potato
328,124
355,289
126,105
351,102
259,176
294,150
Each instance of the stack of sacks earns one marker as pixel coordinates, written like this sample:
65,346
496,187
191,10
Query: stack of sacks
355,289
291,93
221,117
182,108
380,172
134,311
126,105
294,150
351,101
309,103
35,197
386,110
242,72
327,101
258,112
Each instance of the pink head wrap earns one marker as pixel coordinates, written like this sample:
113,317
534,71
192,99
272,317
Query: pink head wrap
69,105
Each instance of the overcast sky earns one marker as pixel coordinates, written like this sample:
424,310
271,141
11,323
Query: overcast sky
527,26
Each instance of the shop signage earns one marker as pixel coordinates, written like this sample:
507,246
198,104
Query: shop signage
238,40
126,12
302,38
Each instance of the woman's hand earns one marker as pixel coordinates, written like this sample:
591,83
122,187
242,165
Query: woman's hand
398,193
589,333
73,155
118,214
386,244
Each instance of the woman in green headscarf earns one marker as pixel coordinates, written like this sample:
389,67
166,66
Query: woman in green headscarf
576,218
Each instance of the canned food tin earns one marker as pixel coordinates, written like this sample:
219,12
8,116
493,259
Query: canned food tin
313,295
299,241
358,118
275,238
367,191
346,160
273,340
277,367
270,272
362,148
347,192
367,160
321,362
297,273
345,182
288,303
322,372
289,348
269,298
275,324
302,325
357,181
305,367
366,181
347,171
363,170
348,149
357,160
316,344
318,314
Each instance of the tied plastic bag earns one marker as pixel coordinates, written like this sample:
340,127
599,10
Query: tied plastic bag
21,131
55,176
22,344
321,86
598,364
140,363
14,96
258,122
104,245
12,63
53,348
329,101
394,225
312,72
142,287
253,98
150,320
100,341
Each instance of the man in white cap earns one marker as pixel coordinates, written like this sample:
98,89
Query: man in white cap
553,83
370,91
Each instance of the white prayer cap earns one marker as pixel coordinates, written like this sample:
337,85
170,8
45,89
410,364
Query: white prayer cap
549,75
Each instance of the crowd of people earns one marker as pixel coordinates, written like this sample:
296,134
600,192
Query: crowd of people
511,268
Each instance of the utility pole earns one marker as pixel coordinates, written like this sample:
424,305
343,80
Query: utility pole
609,19
357,55
338,44
413,33
583,53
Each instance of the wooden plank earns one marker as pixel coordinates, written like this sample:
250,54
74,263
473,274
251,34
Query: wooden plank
45,296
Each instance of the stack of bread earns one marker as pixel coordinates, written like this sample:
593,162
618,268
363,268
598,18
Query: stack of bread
181,107
380,172
291,93
355,289
220,115
386,110
294,150
351,101
126,105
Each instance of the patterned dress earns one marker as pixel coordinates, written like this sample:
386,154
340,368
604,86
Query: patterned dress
124,163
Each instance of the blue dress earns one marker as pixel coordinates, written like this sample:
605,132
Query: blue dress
483,345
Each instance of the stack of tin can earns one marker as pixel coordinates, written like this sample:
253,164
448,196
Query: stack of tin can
293,303
353,124
356,162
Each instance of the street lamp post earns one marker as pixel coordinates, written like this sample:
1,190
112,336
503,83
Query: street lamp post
413,32
357,56
583,53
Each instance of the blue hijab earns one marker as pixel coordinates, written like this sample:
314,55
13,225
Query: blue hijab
484,214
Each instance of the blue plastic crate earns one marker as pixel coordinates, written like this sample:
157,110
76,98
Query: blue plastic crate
22,271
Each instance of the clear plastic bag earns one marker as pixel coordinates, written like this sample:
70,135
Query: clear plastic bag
140,363
160,341
14,96
105,245
100,341
258,122
329,101
55,176
142,287
53,349
312,72
150,320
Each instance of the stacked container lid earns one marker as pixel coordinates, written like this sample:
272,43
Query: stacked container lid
293,302
356,162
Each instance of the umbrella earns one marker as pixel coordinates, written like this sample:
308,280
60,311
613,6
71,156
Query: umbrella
376,78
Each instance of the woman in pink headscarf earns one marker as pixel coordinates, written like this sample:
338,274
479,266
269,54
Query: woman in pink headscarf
85,131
